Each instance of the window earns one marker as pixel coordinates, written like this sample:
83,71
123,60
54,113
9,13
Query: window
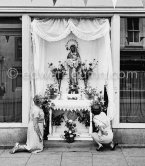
132,87
17,82
18,48
133,30
10,58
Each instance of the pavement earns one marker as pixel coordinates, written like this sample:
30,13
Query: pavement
75,156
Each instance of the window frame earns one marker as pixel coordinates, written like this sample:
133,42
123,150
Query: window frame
116,121
133,30
25,61
133,44
17,57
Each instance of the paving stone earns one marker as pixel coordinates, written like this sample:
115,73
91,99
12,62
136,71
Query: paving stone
109,160
76,161
57,149
78,154
117,152
134,151
50,152
13,161
16,155
75,149
45,160
1,151
135,161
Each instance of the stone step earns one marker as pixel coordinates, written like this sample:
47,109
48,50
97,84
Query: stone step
58,136
64,144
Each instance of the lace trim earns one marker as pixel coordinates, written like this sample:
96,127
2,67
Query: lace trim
72,105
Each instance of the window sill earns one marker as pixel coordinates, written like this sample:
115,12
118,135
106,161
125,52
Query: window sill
132,48
12,125
129,125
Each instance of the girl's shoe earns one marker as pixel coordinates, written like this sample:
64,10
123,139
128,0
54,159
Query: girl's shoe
15,148
100,148
113,145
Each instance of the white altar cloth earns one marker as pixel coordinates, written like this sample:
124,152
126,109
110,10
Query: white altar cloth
72,105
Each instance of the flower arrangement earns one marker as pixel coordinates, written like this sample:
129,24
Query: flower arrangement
70,134
51,90
98,100
91,92
87,70
58,72
84,117
57,120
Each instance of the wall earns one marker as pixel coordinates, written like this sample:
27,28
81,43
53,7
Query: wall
9,136
130,137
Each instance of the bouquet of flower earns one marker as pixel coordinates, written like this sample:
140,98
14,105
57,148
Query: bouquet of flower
58,72
98,100
70,134
51,90
87,70
91,92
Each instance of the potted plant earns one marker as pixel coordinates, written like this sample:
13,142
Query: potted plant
84,117
51,91
56,121
70,133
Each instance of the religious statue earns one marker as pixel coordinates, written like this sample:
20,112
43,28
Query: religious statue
74,65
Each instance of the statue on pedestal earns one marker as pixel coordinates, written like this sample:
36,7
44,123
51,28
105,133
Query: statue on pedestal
74,65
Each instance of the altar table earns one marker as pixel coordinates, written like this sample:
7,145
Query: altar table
71,105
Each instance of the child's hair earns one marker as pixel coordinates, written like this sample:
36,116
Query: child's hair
37,100
96,109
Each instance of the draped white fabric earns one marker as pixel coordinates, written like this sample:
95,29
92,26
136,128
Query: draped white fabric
49,40
58,29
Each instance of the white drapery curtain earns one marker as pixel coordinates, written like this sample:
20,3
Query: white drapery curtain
49,40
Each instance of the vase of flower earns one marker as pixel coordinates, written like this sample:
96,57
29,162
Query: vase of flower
70,134
51,91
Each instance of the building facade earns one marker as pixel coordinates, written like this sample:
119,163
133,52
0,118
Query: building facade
127,21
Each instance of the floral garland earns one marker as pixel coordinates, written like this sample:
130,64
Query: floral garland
70,134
